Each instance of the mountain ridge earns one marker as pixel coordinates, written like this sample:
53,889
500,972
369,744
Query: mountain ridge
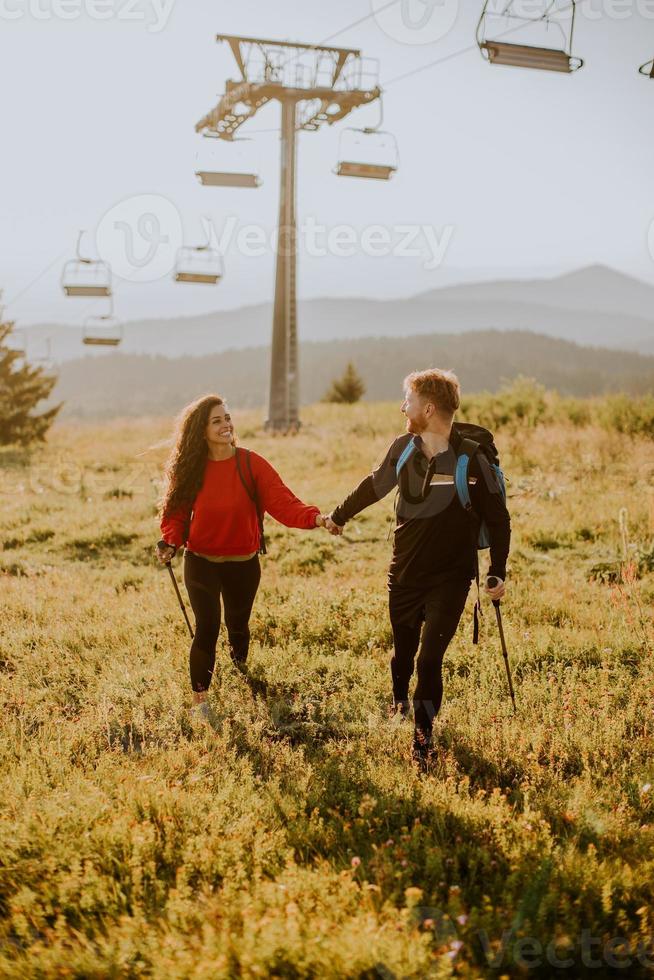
592,305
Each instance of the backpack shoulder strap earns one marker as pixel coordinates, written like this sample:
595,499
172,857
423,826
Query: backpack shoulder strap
252,494
248,460
467,450
405,456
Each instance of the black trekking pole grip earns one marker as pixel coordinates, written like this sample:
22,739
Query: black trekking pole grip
177,592
492,581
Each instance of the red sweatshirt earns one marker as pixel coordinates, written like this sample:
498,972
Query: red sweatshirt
224,519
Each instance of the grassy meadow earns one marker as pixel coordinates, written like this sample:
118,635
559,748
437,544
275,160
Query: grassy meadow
295,839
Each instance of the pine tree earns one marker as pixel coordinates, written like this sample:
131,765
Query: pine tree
22,387
347,389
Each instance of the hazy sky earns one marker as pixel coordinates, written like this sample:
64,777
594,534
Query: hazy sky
510,171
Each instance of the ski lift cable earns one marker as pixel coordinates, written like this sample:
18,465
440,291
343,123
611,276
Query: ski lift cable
34,281
414,71
342,30
457,54
546,17
508,12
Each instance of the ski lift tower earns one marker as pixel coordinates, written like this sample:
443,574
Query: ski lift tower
314,85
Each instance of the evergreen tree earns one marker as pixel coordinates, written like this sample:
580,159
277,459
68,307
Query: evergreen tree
347,389
22,387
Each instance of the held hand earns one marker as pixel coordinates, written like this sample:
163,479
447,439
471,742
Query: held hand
164,552
333,528
495,588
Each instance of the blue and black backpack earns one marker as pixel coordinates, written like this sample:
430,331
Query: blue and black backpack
474,439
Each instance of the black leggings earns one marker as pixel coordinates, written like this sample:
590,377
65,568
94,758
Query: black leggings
441,612
206,581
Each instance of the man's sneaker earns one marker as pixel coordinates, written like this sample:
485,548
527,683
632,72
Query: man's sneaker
400,710
421,750
200,713
239,663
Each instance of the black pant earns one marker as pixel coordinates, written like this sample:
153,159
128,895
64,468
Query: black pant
441,610
206,581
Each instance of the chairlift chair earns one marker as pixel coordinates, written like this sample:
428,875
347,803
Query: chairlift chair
213,173
104,330
518,54
370,153
82,276
200,263
225,178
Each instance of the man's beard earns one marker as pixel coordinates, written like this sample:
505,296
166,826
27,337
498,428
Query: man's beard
416,426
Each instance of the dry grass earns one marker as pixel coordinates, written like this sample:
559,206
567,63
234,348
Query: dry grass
295,839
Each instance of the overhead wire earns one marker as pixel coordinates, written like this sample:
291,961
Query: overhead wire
414,71
34,281
342,30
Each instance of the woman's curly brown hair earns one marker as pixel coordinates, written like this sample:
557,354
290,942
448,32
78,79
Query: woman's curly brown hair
185,466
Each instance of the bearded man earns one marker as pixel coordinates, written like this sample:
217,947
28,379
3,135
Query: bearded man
435,545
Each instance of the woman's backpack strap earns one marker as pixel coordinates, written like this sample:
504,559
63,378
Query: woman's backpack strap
252,494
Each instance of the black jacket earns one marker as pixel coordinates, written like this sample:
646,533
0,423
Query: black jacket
435,539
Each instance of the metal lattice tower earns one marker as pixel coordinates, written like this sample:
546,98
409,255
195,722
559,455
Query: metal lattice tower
314,85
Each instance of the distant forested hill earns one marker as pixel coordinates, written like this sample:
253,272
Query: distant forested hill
129,384
595,306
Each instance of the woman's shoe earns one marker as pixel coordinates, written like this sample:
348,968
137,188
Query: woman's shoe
400,710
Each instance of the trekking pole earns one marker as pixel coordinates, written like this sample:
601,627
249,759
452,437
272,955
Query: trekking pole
492,581
178,594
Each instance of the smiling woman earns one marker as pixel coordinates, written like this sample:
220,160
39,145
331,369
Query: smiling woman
214,500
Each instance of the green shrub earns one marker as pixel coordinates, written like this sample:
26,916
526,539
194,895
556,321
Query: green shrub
631,416
522,403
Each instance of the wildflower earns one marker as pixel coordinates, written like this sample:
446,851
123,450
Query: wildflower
454,948
413,894
355,862
462,919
